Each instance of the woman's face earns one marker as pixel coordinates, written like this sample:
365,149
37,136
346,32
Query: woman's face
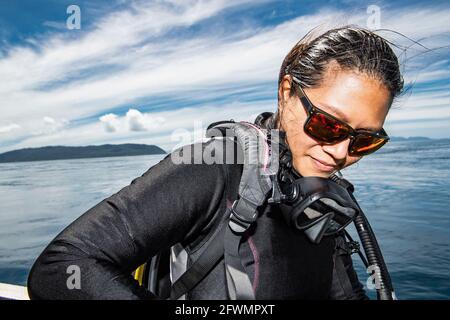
355,98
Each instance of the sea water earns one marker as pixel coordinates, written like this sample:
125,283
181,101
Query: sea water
404,190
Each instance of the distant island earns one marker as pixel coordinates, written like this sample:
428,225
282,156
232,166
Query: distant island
63,152
410,138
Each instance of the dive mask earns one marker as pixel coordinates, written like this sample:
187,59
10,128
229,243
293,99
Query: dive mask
317,206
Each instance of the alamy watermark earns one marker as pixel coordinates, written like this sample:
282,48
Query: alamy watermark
74,20
374,20
74,280
373,282
256,146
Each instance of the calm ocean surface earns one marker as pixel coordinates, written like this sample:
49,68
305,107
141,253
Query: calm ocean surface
404,190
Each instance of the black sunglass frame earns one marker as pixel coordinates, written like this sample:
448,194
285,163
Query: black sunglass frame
311,109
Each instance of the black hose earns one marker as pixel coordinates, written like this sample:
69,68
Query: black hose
385,290
374,256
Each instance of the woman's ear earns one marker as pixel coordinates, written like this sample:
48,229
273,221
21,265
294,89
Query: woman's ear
284,91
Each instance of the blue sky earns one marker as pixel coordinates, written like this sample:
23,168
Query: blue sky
150,71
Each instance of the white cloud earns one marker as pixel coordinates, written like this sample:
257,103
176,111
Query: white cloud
134,120
55,25
48,126
138,121
143,72
49,121
110,122
8,128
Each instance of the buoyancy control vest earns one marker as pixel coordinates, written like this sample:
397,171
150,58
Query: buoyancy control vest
264,156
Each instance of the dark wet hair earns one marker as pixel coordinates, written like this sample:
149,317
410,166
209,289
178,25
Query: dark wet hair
353,48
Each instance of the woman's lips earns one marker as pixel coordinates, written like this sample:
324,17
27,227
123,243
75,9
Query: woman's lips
323,166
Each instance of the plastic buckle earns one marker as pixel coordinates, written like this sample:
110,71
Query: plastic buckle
354,247
238,223
277,195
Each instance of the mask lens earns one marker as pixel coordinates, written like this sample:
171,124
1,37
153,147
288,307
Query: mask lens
326,129
342,216
309,215
364,144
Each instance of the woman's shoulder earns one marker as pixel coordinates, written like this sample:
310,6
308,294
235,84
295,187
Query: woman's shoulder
214,158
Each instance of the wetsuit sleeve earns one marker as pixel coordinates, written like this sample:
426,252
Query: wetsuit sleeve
166,205
345,284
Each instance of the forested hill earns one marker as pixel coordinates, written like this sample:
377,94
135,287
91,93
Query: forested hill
63,152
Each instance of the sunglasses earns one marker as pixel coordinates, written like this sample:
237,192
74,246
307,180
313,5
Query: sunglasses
327,129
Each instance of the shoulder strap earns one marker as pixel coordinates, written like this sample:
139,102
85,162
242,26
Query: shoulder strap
261,156
258,178
211,255
202,266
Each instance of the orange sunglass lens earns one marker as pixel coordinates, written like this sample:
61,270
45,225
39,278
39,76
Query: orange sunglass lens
366,144
326,129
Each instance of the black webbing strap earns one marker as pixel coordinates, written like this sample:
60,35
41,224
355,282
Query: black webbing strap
202,266
340,269
238,283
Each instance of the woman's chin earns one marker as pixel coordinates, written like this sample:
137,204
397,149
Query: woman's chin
307,169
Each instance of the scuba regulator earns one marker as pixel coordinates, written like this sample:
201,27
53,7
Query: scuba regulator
323,207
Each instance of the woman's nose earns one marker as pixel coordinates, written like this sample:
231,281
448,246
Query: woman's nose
338,150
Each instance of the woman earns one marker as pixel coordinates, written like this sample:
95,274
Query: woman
334,93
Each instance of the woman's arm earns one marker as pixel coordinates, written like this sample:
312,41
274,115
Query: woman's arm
166,205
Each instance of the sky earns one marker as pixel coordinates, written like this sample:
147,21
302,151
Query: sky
154,71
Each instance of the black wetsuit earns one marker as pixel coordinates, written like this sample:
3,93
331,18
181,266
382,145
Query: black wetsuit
184,203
